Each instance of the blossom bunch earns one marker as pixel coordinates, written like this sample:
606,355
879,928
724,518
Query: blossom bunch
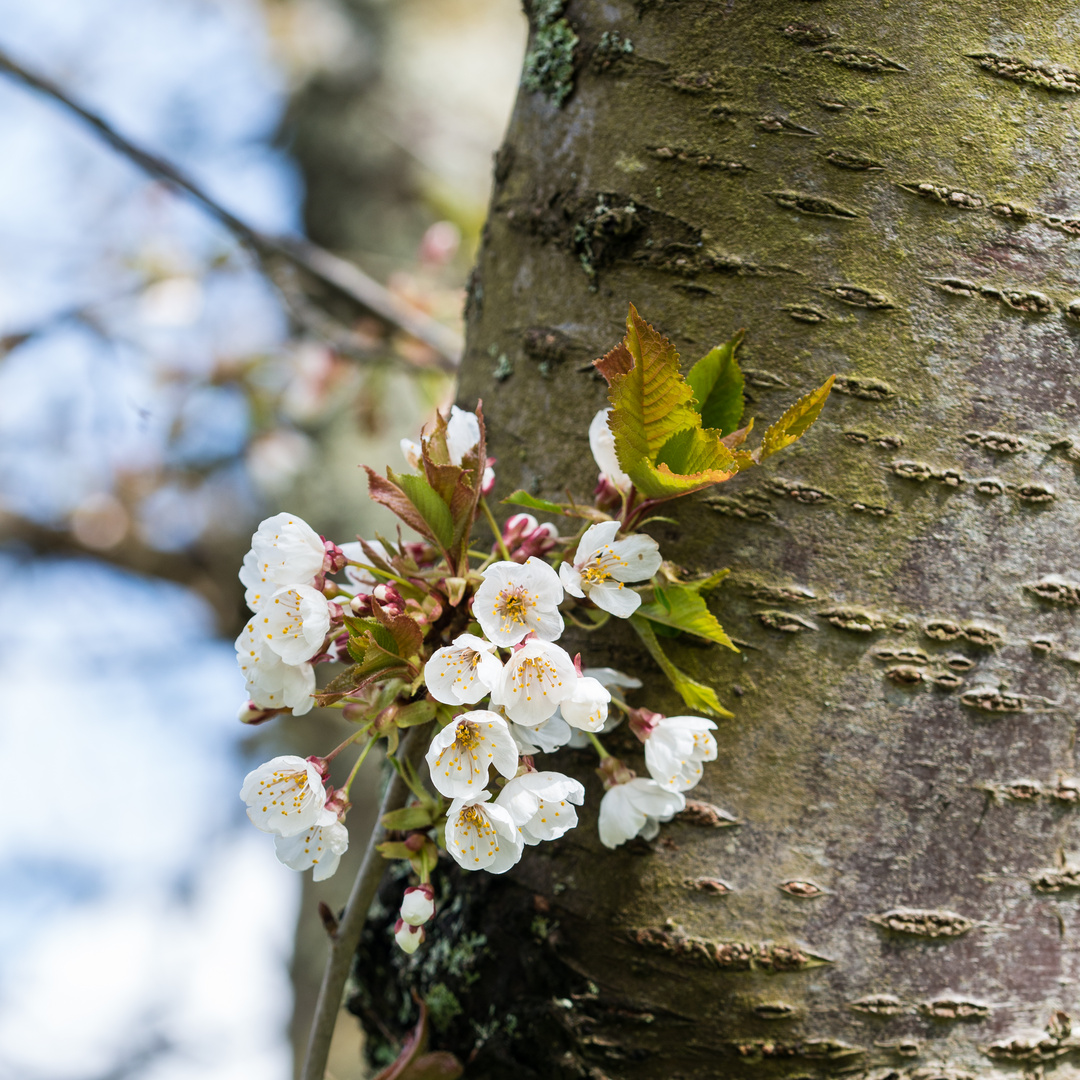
465,646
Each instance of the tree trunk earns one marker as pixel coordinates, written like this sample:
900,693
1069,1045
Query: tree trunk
886,191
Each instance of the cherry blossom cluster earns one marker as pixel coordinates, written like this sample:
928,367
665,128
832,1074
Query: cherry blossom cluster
463,644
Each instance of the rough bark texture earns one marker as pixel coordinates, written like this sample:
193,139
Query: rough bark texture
887,191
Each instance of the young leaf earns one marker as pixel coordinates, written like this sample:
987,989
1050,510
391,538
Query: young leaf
405,633
390,495
419,712
523,498
684,609
794,422
697,695
717,383
409,817
434,512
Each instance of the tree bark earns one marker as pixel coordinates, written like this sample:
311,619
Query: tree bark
887,191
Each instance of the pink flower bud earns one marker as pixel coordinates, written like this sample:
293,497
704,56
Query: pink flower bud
250,713
613,772
360,604
322,765
337,801
418,905
389,599
422,554
643,722
606,495
415,842
408,937
334,560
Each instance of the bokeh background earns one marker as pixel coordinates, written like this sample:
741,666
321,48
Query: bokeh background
163,388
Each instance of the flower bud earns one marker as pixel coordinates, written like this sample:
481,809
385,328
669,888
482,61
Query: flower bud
643,722
360,604
487,482
389,599
408,937
607,496
337,801
613,772
322,765
418,905
250,713
335,559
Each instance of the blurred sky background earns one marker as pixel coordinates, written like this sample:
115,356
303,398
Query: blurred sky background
157,398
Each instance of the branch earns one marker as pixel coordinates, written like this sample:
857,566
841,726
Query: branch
336,272
346,939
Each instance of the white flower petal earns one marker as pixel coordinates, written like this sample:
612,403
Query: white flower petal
607,676
515,600
284,795
534,682
544,738
602,445
614,597
635,808
294,622
319,847
540,804
460,755
464,672
288,550
595,538
587,706
571,579
675,749
482,835
462,434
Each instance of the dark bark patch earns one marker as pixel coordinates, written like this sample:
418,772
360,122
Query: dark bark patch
879,1005
922,922
726,955
857,59
1035,494
954,1009
802,890
785,621
991,699
804,493
854,619
851,159
1055,589
947,196
735,508
548,345
774,1010
701,158
857,296
998,441
1046,76
796,594
812,204
804,313
808,33
781,125
1057,881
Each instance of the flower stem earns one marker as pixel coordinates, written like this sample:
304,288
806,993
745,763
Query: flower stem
495,528
599,745
348,742
359,762
345,939
384,573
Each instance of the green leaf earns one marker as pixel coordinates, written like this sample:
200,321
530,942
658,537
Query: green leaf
429,506
697,695
717,383
419,712
523,498
794,422
360,628
409,817
684,609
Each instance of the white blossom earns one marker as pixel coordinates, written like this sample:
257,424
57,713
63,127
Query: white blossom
285,795
459,756
462,434
602,445
408,937
540,804
464,672
515,600
482,835
675,749
285,550
418,904
605,676
537,679
360,581
294,622
320,846
543,738
634,809
271,683
602,563
587,706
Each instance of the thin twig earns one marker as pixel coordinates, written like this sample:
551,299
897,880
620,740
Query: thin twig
328,268
344,943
